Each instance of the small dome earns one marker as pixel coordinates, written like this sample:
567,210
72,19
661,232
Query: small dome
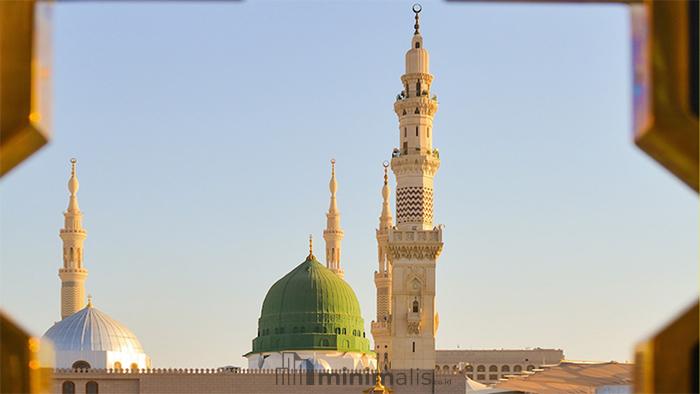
310,308
90,329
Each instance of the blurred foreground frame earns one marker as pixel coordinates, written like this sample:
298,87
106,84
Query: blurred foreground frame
25,80
664,41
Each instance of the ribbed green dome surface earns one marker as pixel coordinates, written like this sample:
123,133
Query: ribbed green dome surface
311,308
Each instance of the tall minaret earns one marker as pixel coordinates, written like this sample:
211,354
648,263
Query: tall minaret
73,274
415,243
381,328
333,234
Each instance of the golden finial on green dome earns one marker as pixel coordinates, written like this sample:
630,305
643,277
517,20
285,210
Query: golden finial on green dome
311,248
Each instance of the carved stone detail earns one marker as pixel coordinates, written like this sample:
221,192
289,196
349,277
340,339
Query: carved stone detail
414,327
415,165
418,252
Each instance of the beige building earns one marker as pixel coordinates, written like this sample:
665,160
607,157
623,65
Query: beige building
489,366
195,381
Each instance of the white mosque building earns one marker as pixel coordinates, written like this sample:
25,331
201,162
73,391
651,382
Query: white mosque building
87,337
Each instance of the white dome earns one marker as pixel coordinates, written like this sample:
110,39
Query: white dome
92,330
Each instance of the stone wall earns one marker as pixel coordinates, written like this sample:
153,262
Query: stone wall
219,381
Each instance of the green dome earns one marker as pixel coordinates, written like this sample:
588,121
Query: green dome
311,308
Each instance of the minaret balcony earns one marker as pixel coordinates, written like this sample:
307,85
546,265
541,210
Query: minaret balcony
422,163
72,231
415,244
422,105
381,275
397,236
380,328
411,78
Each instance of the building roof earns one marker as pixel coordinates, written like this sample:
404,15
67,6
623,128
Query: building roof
310,308
535,356
571,377
90,329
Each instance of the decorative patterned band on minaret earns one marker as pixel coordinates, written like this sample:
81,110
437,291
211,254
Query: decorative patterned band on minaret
414,204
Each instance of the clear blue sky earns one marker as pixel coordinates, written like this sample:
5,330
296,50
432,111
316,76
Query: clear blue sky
204,134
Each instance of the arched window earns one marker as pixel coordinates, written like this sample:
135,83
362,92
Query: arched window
417,88
337,330
530,367
493,368
345,331
505,368
428,132
415,306
117,365
469,368
480,368
405,129
416,131
417,44
68,387
81,364
446,369
324,342
134,366
517,368
91,387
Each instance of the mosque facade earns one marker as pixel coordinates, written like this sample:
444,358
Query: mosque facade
310,323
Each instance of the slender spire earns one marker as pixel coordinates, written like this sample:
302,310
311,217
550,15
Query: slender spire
333,187
73,273
385,219
333,234
73,186
417,9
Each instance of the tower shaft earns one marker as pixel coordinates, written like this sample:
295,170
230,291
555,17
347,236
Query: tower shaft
412,247
382,280
73,273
